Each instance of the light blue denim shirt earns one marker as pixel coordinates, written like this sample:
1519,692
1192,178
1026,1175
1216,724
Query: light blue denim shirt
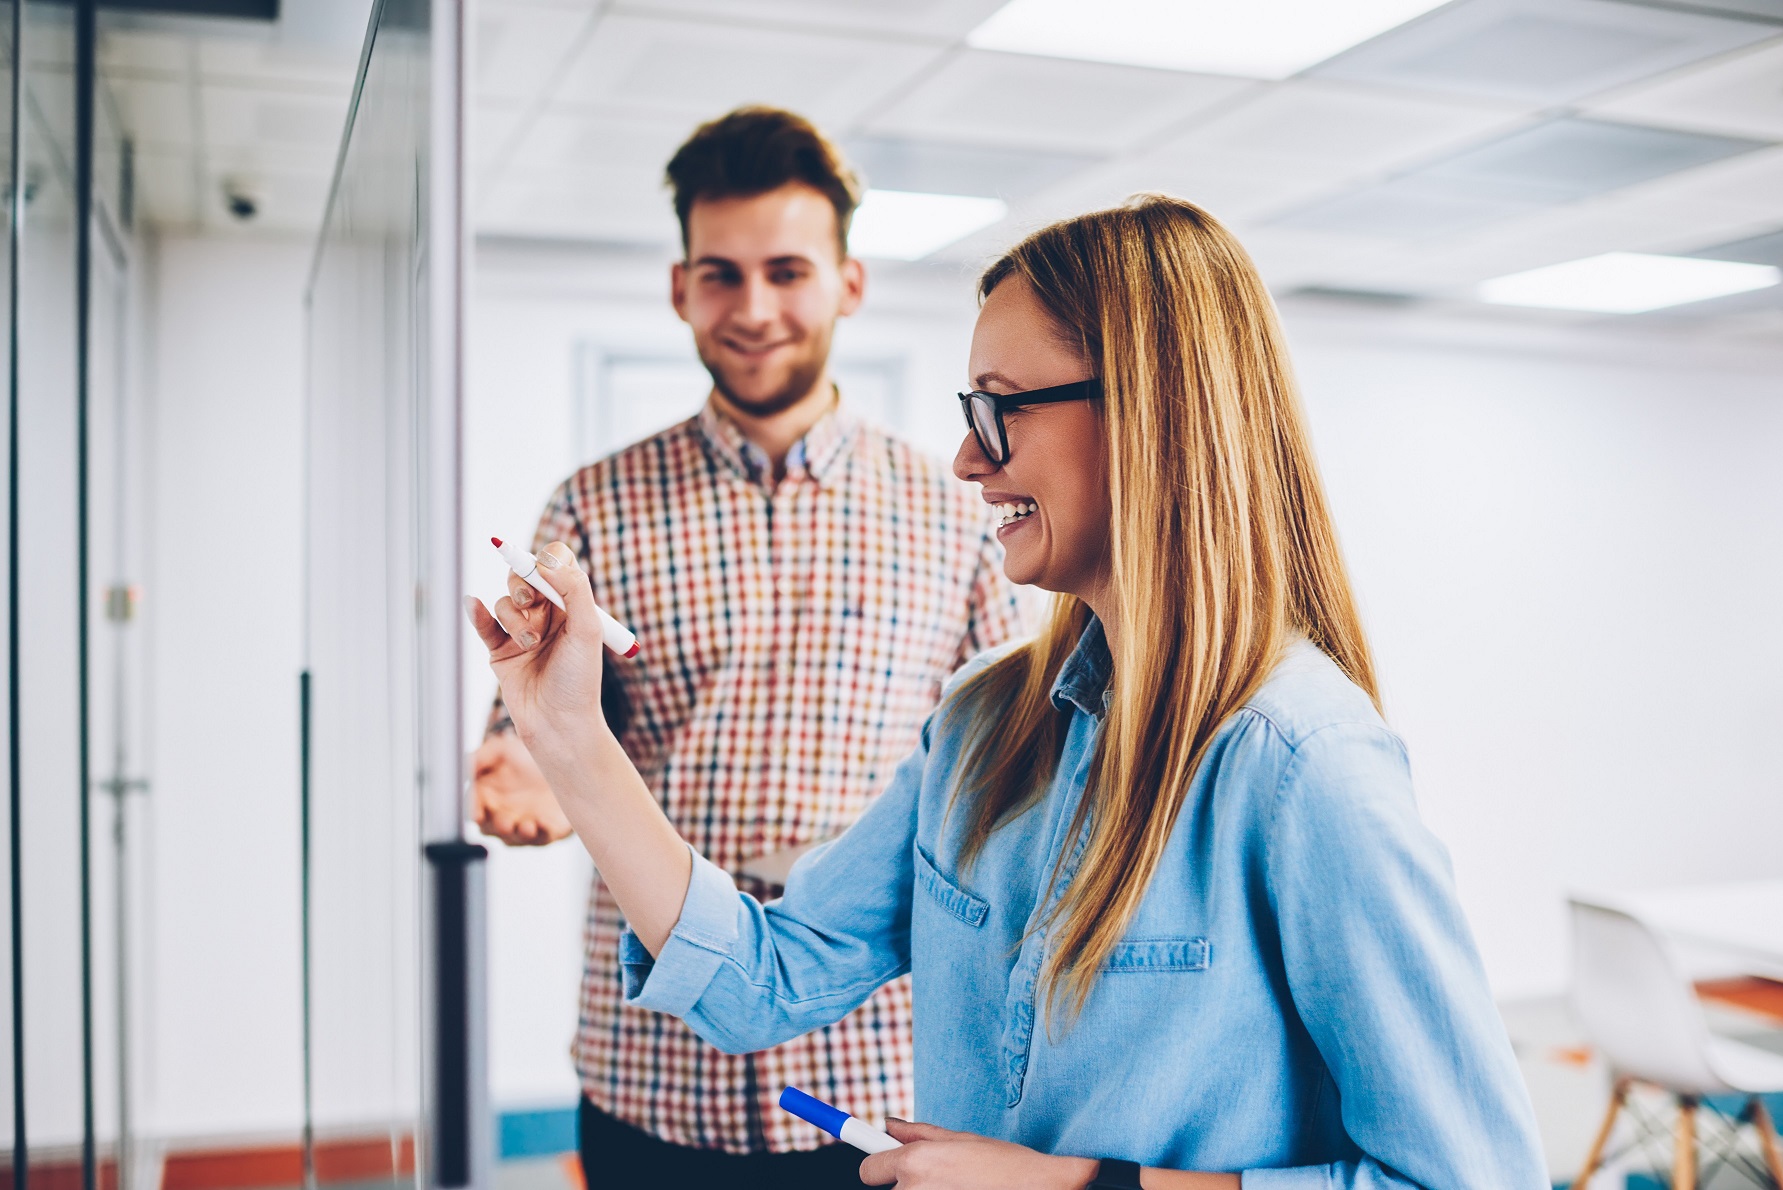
1298,997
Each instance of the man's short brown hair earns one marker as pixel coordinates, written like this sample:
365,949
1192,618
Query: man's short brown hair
757,149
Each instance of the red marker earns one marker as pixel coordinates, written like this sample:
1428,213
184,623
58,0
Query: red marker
614,635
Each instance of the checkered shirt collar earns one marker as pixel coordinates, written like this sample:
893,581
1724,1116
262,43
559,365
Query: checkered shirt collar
816,455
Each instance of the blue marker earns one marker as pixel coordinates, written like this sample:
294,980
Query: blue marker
837,1122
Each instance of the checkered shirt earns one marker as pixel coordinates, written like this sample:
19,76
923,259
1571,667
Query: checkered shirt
795,635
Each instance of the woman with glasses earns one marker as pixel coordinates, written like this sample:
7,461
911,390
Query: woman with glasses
1172,918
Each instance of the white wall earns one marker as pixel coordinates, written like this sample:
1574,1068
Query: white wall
1568,551
223,601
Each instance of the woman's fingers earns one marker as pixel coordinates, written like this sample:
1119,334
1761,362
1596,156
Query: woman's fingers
883,1169
907,1131
489,630
528,626
557,566
521,592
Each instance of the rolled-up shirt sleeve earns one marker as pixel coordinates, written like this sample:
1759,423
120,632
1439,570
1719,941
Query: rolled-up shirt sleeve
1384,975
746,975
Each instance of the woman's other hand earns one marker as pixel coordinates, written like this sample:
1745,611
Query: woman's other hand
549,662
510,798
936,1159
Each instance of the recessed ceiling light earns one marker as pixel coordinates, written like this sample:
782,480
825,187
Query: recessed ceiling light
1268,39
1627,283
906,225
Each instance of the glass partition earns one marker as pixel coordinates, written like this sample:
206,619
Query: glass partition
70,644
50,860
394,1060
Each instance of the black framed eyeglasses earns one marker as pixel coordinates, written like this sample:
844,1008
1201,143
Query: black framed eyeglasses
984,411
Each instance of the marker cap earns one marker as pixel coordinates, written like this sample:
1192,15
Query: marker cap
814,1111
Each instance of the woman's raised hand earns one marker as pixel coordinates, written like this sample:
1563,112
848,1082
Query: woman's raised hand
549,662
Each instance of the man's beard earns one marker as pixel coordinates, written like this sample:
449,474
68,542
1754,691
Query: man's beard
796,388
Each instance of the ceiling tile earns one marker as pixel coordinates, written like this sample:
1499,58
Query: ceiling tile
157,114
264,63
274,121
1405,208
1358,129
1771,9
1739,95
291,202
938,167
626,205
135,53
494,126
1051,103
1760,249
1539,51
1287,258
520,48
703,69
166,189
252,161
1564,159
945,19
1749,184
1642,219
572,141
1232,187
1556,162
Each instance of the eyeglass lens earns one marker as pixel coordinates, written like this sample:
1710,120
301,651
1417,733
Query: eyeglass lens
983,417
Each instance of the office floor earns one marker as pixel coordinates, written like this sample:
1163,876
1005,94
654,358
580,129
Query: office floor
560,1172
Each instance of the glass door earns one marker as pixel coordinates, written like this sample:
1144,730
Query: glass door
73,657
393,893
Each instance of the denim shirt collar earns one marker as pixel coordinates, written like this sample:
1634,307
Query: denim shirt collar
1083,679
815,456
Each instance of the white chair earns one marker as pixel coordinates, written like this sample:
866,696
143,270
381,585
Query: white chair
1639,1010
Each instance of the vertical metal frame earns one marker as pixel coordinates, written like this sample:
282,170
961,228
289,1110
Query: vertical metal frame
15,225
86,37
459,1121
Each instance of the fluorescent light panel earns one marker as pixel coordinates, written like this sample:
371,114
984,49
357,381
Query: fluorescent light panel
1268,39
1627,283
906,225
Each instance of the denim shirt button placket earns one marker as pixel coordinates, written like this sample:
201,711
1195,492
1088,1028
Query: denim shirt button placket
1018,1031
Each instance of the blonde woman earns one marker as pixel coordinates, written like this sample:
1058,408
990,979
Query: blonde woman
1157,872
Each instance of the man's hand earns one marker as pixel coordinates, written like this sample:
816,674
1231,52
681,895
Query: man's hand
935,1159
510,797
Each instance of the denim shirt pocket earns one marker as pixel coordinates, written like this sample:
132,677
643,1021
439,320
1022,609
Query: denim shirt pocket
1157,955
969,909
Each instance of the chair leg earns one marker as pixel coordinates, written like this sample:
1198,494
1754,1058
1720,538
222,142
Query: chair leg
1617,1097
1684,1146
1767,1140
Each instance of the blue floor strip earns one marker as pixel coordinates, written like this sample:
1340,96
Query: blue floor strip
539,1133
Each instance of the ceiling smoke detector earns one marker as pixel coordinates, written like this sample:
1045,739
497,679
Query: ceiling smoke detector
242,198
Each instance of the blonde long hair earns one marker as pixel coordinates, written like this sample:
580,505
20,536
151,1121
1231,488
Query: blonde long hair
1222,547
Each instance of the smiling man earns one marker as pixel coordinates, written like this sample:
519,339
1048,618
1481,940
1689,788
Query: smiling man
811,580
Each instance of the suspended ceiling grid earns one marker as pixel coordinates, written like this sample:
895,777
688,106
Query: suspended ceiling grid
1485,137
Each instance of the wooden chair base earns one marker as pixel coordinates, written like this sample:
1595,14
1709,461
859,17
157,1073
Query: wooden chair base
1684,1141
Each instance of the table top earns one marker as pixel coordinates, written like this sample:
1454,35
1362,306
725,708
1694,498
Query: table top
1743,917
